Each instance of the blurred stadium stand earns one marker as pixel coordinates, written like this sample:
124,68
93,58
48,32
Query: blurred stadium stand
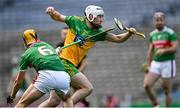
114,67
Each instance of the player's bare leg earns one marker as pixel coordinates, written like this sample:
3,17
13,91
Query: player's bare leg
68,103
83,85
30,87
149,81
52,101
30,97
167,86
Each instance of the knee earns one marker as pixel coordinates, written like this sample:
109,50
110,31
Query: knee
146,86
89,89
55,101
166,91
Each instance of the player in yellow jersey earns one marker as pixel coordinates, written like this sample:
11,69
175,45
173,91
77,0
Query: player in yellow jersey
80,28
81,67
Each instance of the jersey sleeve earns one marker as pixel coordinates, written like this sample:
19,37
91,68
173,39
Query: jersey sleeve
23,63
173,37
70,20
150,38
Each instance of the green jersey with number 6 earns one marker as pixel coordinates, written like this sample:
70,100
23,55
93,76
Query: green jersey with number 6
162,39
41,56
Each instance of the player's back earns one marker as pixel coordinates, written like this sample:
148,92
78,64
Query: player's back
43,57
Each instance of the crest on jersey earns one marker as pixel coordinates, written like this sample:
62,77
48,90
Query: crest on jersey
79,37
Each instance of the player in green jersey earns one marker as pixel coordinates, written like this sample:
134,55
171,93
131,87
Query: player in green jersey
52,74
79,29
161,59
14,72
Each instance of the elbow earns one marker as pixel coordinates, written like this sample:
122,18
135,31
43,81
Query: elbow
120,41
175,49
17,83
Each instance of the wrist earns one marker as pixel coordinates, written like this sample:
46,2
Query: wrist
130,32
11,97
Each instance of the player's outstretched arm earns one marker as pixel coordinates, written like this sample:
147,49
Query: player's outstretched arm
120,37
150,54
16,87
55,15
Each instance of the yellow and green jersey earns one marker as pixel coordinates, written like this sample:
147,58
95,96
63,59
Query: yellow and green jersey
79,29
162,39
41,56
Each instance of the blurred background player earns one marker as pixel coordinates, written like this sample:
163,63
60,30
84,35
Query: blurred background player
14,74
161,59
52,74
110,100
63,33
80,28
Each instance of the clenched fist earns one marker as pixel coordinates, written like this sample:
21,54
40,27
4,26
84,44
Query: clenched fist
50,10
10,100
132,30
58,50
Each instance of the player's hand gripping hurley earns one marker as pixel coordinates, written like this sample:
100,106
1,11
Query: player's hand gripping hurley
122,27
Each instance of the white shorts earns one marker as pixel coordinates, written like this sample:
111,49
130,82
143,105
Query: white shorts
166,69
53,80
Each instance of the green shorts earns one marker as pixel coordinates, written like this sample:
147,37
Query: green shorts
69,67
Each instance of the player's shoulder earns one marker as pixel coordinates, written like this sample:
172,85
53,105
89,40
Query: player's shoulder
79,17
41,43
153,32
26,53
169,30
76,17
